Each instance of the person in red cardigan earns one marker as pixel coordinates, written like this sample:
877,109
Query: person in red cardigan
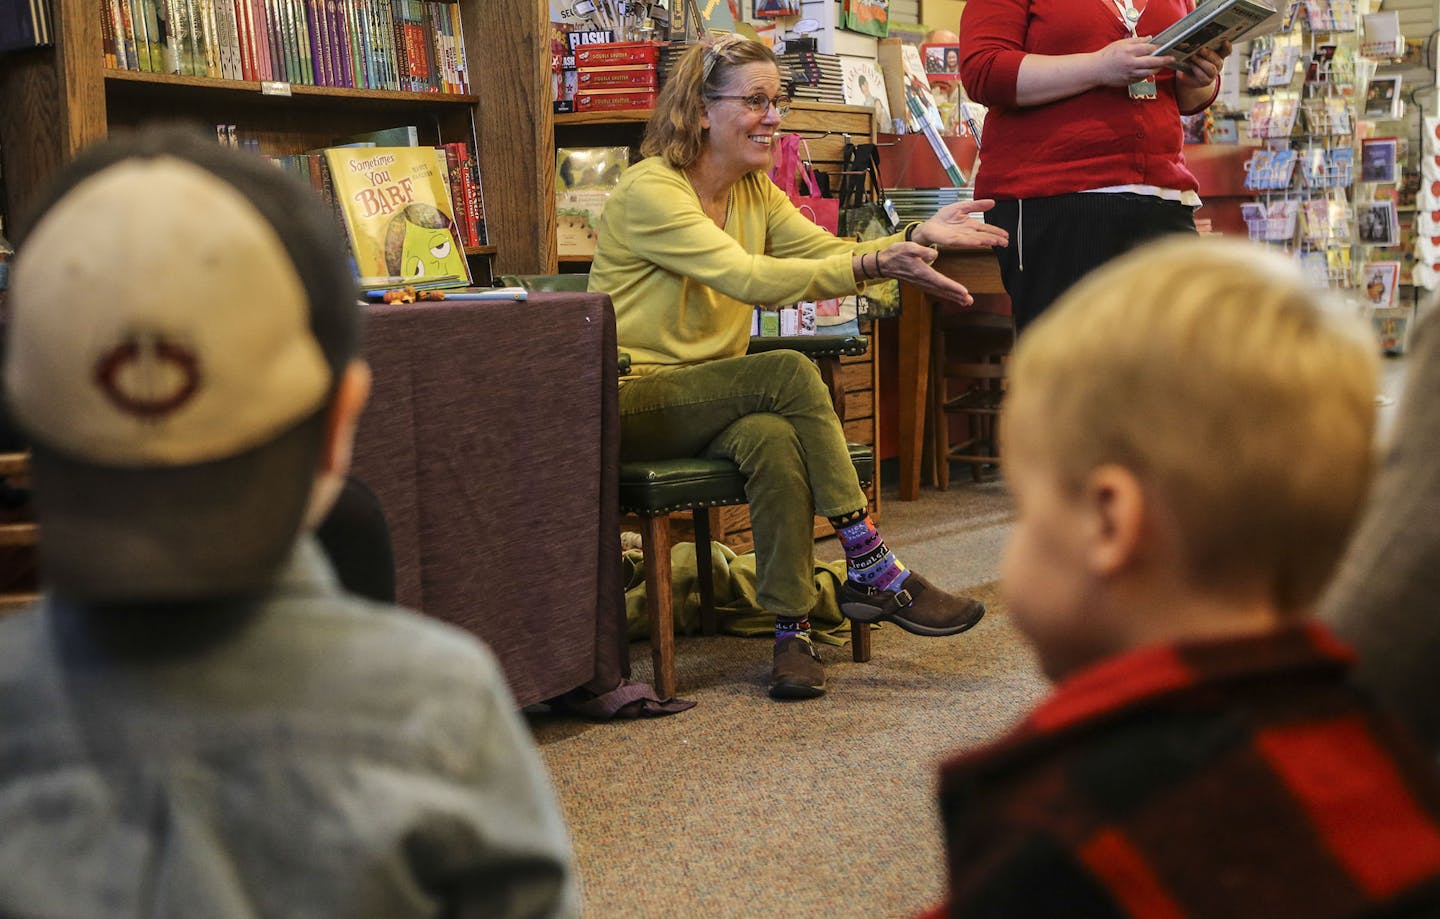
1188,439
1081,147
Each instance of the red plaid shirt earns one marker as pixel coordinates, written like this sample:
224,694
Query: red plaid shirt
1235,778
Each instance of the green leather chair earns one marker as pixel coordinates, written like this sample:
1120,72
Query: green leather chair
654,489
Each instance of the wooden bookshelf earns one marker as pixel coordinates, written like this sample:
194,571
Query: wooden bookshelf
62,98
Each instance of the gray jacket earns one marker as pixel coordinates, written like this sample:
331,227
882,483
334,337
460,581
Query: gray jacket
311,754
1385,600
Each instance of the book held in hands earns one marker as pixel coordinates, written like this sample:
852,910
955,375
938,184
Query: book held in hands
1209,25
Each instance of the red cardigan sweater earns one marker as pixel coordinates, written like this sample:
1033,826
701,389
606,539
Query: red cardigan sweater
1098,138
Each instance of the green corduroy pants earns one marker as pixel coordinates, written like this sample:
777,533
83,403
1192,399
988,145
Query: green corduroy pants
771,415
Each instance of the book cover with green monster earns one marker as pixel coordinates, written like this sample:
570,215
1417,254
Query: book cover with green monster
398,215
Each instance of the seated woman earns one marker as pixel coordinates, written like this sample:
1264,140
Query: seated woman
691,239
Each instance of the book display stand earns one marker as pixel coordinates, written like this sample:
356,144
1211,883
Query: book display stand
1324,192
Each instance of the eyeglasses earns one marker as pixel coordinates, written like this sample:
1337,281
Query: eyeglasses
759,103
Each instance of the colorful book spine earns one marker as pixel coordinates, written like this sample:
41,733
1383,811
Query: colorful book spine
392,51
315,35
185,30
477,199
107,35
462,64
154,57
344,59
359,44
402,52
455,172
302,42
275,41
207,39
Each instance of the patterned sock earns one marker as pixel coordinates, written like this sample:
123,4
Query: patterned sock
868,560
789,628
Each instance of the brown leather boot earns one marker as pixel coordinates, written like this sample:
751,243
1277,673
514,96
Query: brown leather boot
797,672
918,607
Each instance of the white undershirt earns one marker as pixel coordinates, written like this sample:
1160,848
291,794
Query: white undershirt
1189,198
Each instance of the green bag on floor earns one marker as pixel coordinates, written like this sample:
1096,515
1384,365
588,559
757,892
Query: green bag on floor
735,608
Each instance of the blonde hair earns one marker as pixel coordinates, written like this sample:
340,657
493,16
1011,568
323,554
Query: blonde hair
675,130
1212,372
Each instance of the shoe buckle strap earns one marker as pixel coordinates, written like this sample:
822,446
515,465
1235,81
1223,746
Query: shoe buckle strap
903,598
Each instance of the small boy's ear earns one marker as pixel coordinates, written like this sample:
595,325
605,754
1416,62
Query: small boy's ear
1115,501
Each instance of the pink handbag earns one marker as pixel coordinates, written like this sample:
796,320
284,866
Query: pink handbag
790,171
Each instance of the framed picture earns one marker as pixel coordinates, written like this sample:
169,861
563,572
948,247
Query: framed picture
1378,156
943,58
1378,280
1378,223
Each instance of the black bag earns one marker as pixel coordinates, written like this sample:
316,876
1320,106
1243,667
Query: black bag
864,216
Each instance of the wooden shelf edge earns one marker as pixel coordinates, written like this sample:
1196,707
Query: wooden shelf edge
14,603
481,250
296,89
628,116
19,534
625,116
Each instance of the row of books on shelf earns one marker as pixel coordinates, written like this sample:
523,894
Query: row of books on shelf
408,211
25,24
406,45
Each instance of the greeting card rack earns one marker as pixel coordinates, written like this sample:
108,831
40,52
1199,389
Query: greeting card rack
1305,116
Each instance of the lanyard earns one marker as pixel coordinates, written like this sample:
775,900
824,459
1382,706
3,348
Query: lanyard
1129,14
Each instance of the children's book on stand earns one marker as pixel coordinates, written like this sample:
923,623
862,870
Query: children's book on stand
864,84
584,179
398,216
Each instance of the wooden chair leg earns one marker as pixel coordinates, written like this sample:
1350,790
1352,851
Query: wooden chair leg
705,571
658,602
859,641
939,421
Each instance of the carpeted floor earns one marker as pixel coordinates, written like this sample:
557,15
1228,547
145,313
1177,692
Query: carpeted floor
745,807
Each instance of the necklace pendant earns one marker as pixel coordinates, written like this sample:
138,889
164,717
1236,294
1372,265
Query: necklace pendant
1132,15
1143,89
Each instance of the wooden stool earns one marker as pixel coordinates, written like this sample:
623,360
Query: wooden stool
19,538
968,349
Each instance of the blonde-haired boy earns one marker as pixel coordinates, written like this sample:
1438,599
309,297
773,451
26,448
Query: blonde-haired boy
1188,439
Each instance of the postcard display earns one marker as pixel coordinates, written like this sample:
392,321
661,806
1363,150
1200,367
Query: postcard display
1325,176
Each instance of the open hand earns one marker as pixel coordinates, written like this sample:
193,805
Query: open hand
910,263
1204,69
1126,61
952,227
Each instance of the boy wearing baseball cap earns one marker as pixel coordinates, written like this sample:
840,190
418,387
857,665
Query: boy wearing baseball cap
197,720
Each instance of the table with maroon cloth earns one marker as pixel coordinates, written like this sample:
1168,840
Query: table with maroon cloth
492,441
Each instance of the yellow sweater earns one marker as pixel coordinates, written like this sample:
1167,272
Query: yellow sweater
684,289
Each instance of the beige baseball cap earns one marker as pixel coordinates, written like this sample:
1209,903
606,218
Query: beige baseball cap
176,311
